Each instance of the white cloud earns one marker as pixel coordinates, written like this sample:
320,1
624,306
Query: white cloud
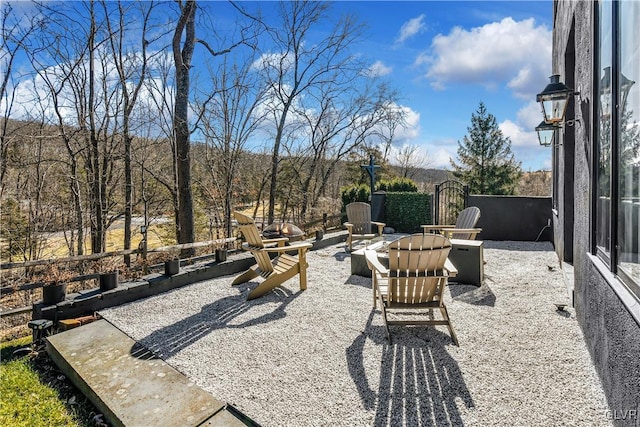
520,137
515,53
405,133
440,151
411,128
527,80
522,132
426,156
33,99
442,157
524,139
379,69
276,61
411,28
530,115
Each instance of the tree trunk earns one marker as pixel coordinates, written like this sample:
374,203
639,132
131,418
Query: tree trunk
182,54
97,223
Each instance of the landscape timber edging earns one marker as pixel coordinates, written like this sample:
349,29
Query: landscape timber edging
89,301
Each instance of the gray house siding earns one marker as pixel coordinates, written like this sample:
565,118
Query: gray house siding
609,318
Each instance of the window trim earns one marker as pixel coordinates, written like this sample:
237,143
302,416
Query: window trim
611,259
595,131
615,135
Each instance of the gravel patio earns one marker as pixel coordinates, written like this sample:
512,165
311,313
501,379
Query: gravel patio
320,357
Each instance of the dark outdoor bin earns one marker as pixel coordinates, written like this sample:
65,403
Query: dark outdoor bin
54,293
377,206
221,255
171,267
108,281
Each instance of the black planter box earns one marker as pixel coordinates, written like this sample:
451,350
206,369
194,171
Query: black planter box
54,293
171,267
221,255
108,281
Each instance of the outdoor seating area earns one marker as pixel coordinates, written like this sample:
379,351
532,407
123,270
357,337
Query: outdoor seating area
274,271
322,356
414,279
464,228
359,223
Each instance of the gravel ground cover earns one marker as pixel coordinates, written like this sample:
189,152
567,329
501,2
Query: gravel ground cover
320,357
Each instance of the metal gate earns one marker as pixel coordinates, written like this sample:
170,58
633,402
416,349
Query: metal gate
450,198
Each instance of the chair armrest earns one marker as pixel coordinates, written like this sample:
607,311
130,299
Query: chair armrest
348,225
374,263
293,247
451,269
380,226
426,228
449,231
279,240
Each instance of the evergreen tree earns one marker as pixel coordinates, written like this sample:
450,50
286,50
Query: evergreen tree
487,164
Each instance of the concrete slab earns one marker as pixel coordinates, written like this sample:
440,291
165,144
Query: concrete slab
128,384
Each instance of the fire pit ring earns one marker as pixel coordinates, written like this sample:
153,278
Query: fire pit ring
285,229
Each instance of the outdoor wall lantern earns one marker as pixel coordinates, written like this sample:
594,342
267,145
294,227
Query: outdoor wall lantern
546,133
554,99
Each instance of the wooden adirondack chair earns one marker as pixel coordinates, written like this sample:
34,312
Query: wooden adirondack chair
464,227
275,271
359,223
415,280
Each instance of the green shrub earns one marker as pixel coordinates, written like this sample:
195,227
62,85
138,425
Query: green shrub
398,185
354,193
407,211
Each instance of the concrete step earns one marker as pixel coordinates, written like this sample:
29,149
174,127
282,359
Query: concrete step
129,385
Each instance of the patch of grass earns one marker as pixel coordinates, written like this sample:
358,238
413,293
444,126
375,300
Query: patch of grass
56,245
34,393
26,401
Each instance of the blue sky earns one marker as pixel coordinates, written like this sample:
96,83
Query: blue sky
444,57
447,56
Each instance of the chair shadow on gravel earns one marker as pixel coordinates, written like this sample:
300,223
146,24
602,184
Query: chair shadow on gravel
419,380
356,280
342,256
170,340
471,294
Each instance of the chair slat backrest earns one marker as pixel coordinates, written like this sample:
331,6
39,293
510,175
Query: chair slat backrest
468,218
416,268
251,234
359,214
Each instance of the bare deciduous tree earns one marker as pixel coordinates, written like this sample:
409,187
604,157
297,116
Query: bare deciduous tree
132,67
230,117
409,160
299,66
336,125
183,45
16,31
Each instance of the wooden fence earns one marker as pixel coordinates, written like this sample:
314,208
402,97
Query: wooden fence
31,290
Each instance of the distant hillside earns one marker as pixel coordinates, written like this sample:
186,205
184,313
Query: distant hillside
432,176
426,179
536,183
